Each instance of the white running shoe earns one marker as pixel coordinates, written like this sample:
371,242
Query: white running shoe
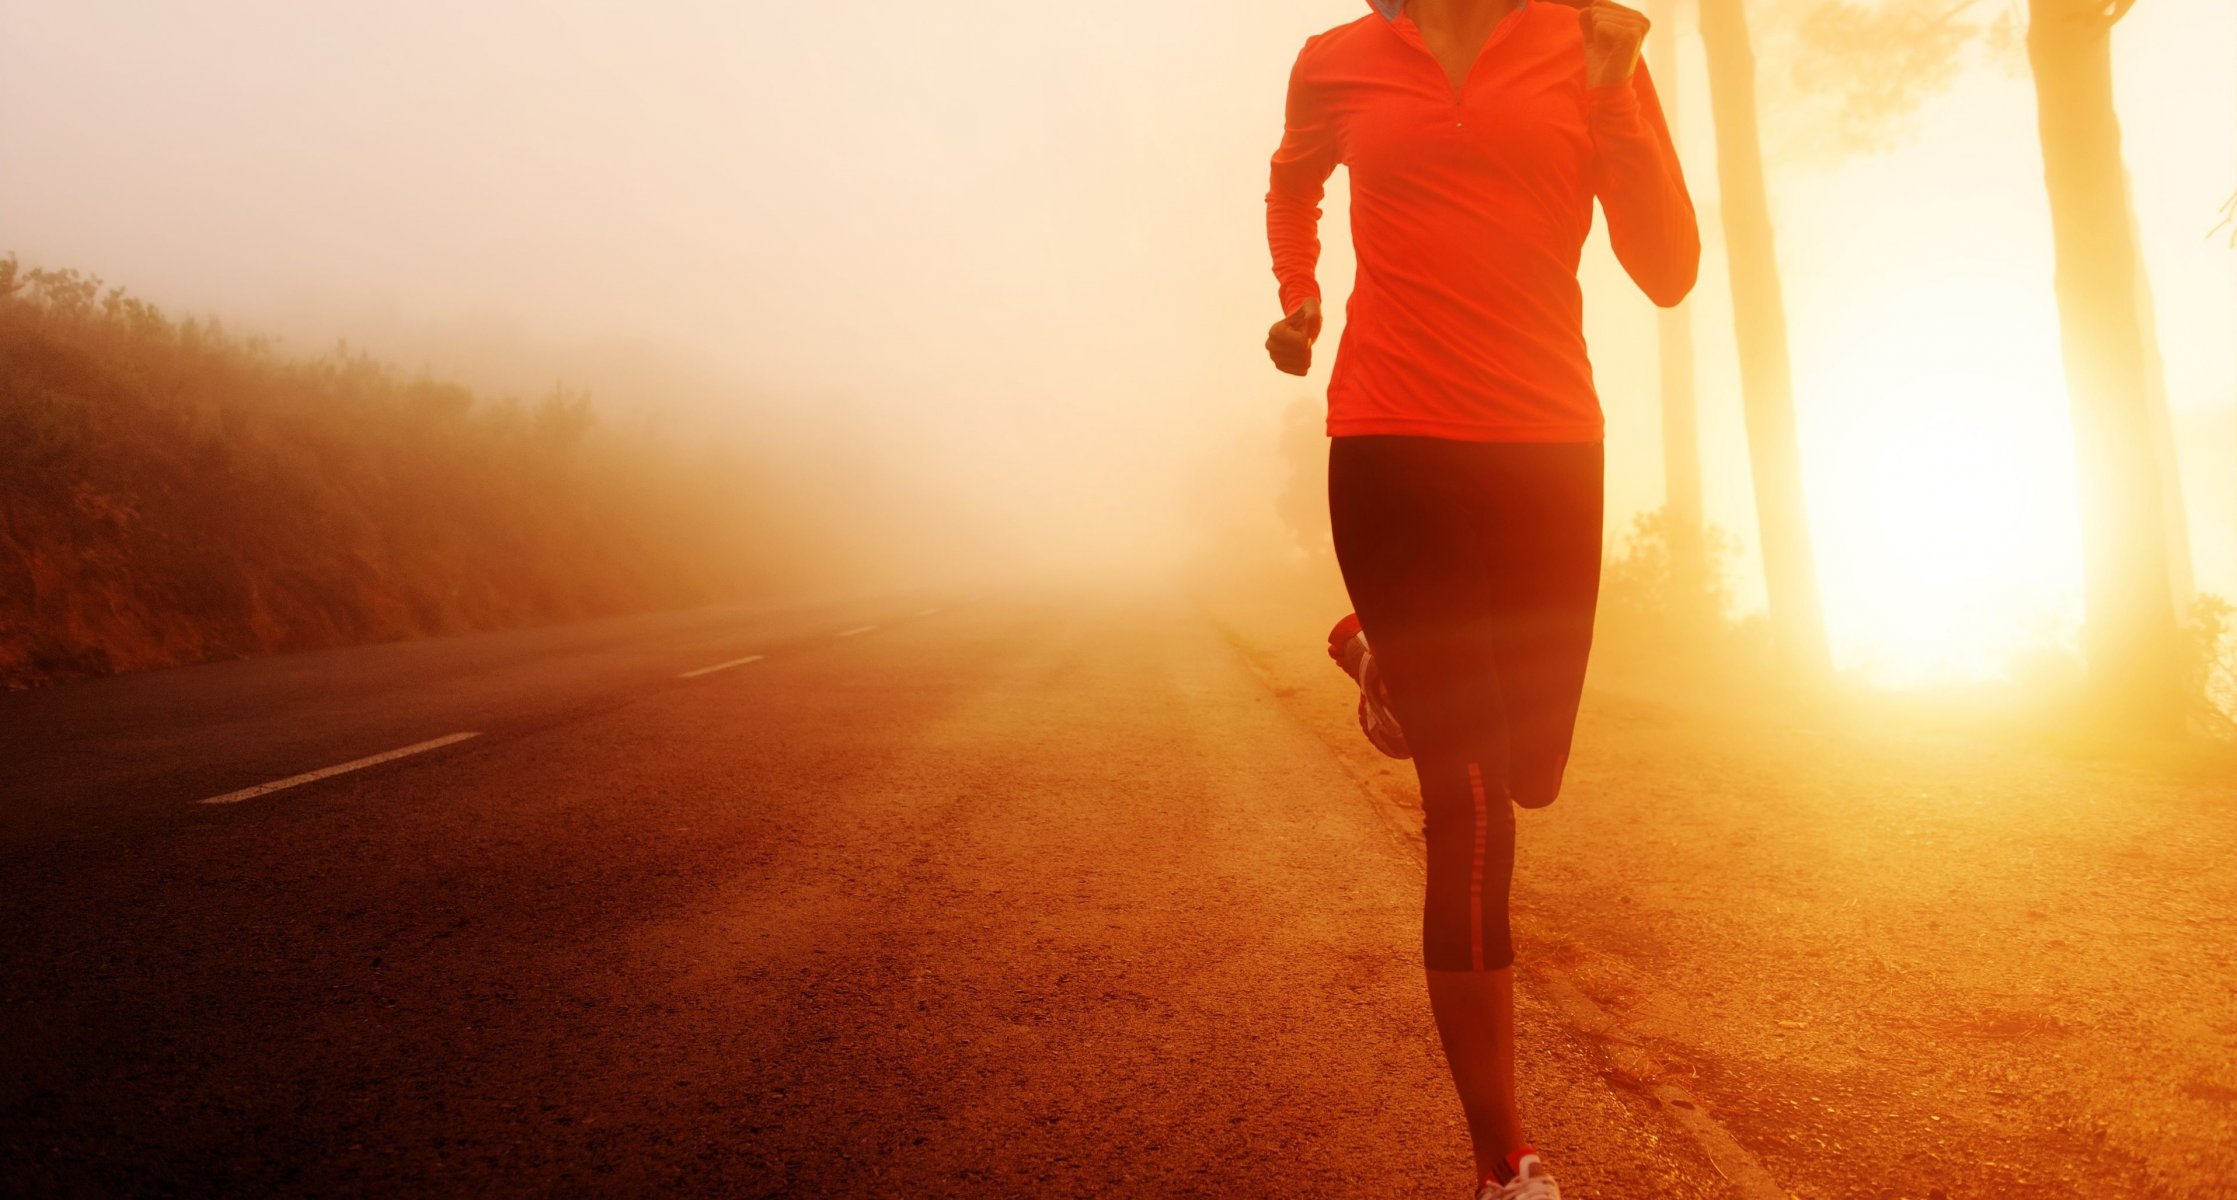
1531,1182
1348,646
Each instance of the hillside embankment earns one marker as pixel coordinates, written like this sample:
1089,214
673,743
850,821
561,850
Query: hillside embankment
174,492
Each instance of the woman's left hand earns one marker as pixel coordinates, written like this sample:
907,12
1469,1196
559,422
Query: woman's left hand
1612,37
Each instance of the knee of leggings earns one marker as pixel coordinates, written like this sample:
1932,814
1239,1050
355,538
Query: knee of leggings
1535,785
1537,795
1470,830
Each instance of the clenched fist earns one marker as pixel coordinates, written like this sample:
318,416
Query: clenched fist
1290,342
1612,36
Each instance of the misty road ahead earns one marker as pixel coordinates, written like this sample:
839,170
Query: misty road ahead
969,896
972,898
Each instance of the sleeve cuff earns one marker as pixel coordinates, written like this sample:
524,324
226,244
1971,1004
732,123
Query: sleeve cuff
1294,294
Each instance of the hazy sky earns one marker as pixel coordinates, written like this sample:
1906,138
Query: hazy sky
1026,246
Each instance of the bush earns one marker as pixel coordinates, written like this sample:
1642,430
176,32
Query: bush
1665,600
2210,662
172,492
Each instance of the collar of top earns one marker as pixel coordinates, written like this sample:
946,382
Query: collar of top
1393,9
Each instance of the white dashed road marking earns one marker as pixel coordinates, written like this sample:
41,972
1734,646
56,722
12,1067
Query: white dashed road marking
856,630
265,789
720,666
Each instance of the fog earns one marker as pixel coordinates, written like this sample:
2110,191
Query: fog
1016,255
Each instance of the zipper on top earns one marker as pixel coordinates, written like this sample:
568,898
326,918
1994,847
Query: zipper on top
1404,25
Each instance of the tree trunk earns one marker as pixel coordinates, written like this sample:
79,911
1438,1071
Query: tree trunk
2182,585
1759,320
1681,442
2129,630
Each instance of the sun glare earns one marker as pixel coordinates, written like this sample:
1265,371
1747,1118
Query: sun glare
1943,502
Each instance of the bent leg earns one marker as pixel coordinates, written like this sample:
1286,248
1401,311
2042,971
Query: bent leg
1542,514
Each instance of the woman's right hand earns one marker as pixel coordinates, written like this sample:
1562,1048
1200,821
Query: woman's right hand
1290,342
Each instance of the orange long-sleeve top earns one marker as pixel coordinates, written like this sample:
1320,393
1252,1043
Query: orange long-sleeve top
1469,214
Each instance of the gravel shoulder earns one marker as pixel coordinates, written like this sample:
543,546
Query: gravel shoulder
1894,962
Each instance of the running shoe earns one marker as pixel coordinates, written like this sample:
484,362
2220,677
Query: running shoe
1531,1182
1347,644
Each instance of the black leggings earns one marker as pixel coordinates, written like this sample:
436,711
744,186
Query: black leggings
1474,567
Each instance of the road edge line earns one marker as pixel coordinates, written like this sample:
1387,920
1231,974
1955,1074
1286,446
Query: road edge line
1731,1159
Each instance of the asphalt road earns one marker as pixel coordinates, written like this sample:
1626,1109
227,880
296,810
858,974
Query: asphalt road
935,896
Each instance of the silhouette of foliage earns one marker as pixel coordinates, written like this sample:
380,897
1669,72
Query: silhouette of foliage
2210,663
1864,70
1654,608
171,491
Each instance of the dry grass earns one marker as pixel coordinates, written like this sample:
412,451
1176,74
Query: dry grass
171,492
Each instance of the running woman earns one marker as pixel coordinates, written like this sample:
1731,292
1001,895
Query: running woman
1464,472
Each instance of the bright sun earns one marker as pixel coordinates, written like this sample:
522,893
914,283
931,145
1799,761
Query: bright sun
1942,499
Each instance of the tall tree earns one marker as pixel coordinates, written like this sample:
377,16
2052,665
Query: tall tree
1681,440
2176,523
1759,319
2130,633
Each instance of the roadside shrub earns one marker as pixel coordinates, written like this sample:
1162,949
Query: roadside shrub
172,491
1666,598
2210,663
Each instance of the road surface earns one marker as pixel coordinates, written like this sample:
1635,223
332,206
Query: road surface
923,896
